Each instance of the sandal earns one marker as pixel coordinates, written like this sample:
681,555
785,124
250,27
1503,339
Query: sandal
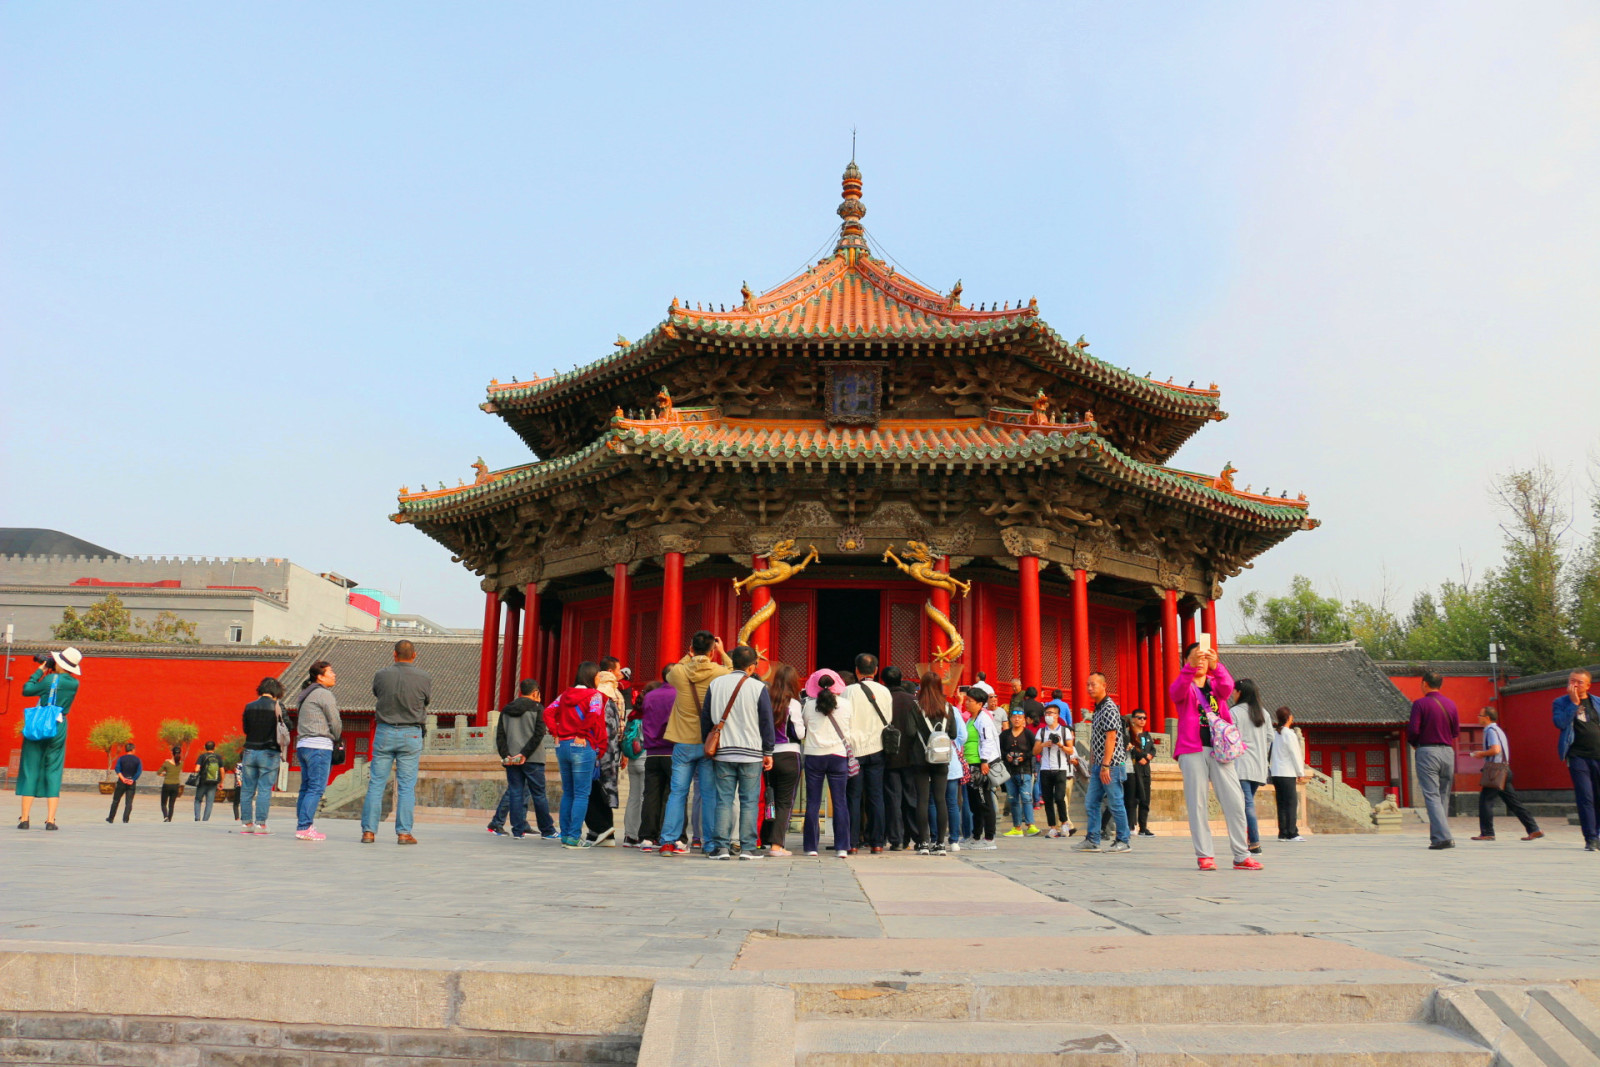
22,824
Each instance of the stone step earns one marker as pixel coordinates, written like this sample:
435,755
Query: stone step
975,1044
1326,998
1526,1026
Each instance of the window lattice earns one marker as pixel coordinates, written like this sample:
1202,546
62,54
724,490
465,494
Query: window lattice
591,639
905,636
646,631
1005,645
794,628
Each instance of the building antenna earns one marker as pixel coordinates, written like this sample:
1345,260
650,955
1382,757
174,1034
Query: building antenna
852,144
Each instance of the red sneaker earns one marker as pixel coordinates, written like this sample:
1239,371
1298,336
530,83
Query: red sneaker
672,849
1207,863
1249,863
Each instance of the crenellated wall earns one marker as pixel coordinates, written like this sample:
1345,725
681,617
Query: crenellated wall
195,572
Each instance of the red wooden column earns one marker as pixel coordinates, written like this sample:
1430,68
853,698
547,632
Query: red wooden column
532,633
670,649
1141,657
1080,641
1208,621
491,630
1171,653
760,598
620,587
1186,615
1028,610
508,654
1158,688
940,598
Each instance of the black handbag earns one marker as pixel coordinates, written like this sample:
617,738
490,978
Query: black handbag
891,733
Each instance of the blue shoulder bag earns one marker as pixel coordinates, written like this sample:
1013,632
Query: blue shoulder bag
42,722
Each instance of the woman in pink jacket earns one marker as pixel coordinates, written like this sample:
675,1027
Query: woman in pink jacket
1204,685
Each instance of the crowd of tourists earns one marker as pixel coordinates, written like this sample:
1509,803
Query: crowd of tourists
716,755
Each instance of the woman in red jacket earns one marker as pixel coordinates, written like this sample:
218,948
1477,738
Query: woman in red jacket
577,721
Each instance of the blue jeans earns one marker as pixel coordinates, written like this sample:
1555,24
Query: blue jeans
688,763
1112,795
314,766
956,798
399,747
577,778
1252,828
1585,788
524,783
1019,788
746,778
257,769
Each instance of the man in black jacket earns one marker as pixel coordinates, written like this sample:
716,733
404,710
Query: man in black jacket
129,767
519,738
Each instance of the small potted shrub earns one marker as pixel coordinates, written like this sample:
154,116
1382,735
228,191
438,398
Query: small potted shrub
230,751
110,736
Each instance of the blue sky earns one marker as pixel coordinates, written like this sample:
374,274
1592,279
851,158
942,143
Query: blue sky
258,262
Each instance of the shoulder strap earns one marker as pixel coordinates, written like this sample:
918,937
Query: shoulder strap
842,739
874,702
731,698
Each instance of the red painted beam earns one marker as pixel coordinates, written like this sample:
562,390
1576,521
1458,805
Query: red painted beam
532,633
1170,651
508,655
620,588
759,598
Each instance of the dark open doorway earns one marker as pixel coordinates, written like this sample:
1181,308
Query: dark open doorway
847,624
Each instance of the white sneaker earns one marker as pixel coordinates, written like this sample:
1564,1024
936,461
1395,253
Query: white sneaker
811,853
1297,837
955,846
842,854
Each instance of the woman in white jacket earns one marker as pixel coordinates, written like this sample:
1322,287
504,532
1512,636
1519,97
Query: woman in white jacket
827,719
1288,771
1256,730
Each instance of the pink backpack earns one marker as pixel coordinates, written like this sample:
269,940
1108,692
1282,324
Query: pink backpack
1227,743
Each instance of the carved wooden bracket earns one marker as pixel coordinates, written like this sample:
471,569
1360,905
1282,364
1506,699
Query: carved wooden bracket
1026,540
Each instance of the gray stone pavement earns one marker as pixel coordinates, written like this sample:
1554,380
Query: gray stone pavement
1507,910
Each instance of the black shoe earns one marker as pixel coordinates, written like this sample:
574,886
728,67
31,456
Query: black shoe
22,824
109,818
1592,845
1441,844
1255,849
1146,833
51,826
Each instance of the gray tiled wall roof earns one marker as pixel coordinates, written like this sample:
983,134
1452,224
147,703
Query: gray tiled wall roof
1325,685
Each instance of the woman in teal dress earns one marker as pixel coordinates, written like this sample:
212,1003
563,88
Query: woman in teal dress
39,773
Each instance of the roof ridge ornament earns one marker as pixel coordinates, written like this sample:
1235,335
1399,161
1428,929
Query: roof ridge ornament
852,235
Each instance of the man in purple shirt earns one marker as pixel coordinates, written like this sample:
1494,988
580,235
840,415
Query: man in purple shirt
656,710
1433,731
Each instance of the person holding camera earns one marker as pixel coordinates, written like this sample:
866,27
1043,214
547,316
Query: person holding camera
55,683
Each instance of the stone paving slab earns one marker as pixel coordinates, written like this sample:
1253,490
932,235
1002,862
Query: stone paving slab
1504,911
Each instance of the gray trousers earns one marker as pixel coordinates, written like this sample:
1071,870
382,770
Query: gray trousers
635,811
1199,769
1436,774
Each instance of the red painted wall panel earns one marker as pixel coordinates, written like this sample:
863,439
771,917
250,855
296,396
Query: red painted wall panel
145,691
1468,692
1526,719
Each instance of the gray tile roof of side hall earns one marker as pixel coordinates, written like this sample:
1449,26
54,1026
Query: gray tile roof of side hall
452,662
1450,668
1325,685
1549,679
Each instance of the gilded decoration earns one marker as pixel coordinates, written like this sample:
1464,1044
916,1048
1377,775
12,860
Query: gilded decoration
1025,541
851,539
922,568
778,570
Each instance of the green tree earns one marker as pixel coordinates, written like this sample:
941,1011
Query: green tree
1302,617
230,749
1528,591
1583,583
110,620
108,735
1375,628
175,733
104,620
1456,625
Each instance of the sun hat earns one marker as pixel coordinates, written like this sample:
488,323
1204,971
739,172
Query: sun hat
68,659
823,679
606,682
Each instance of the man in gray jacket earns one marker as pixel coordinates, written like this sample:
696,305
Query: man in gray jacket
403,691
744,708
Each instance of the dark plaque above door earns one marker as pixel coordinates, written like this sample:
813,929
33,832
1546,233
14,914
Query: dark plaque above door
855,392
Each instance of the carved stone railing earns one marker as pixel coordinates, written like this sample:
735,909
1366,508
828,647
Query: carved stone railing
459,739
1334,807
347,789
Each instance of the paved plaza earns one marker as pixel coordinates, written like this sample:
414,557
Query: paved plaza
1503,911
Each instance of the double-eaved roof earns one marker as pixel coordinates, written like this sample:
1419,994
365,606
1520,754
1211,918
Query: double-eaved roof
1324,685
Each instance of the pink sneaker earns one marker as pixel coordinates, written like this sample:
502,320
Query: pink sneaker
1207,863
310,834
1249,863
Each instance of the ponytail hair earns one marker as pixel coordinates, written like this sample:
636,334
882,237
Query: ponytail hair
316,671
827,701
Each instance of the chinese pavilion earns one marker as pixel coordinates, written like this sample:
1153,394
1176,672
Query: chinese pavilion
889,432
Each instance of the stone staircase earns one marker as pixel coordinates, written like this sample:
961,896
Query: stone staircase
1372,1020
